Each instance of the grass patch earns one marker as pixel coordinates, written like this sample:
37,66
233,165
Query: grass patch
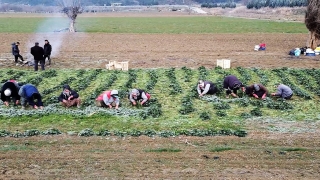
159,150
168,25
7,148
220,149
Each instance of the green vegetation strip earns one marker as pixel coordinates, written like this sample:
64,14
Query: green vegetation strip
167,113
168,25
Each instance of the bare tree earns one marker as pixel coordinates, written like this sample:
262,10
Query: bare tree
312,21
71,8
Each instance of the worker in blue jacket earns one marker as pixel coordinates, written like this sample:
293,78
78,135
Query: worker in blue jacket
29,93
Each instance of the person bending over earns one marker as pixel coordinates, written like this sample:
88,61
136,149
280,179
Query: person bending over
138,95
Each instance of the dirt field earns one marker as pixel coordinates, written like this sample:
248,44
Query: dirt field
258,156
261,155
94,50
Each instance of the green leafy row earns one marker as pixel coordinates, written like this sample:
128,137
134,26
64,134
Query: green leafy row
150,133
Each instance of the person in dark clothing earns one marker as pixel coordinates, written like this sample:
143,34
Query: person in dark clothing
138,95
69,97
206,87
16,52
37,53
231,83
257,91
28,95
10,91
47,51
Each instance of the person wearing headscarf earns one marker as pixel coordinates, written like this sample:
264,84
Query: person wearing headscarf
206,87
109,99
69,97
283,91
257,91
138,95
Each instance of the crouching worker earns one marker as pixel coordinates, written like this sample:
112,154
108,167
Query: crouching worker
9,91
29,93
283,91
231,83
138,95
69,97
206,87
108,99
257,91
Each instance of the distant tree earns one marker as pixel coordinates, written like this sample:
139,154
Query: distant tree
71,8
312,21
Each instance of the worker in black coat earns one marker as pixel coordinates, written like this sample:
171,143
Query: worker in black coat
9,91
232,84
47,51
38,53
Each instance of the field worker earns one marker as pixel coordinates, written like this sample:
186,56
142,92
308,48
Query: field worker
69,97
28,95
108,99
138,95
16,52
37,53
231,83
257,91
47,51
283,91
206,87
10,91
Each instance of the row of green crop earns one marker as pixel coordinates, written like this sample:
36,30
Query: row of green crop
135,133
303,82
306,78
166,111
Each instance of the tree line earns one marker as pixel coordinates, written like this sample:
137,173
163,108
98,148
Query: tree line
108,2
257,4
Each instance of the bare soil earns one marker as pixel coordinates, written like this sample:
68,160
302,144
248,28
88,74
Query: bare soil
257,156
94,50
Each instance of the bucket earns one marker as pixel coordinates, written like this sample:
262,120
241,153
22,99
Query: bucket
224,63
256,47
297,52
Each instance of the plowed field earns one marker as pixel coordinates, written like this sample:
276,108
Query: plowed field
94,50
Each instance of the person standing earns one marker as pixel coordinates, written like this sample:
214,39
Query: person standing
37,53
9,91
16,52
283,91
47,51
231,83
138,95
206,87
69,97
28,95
